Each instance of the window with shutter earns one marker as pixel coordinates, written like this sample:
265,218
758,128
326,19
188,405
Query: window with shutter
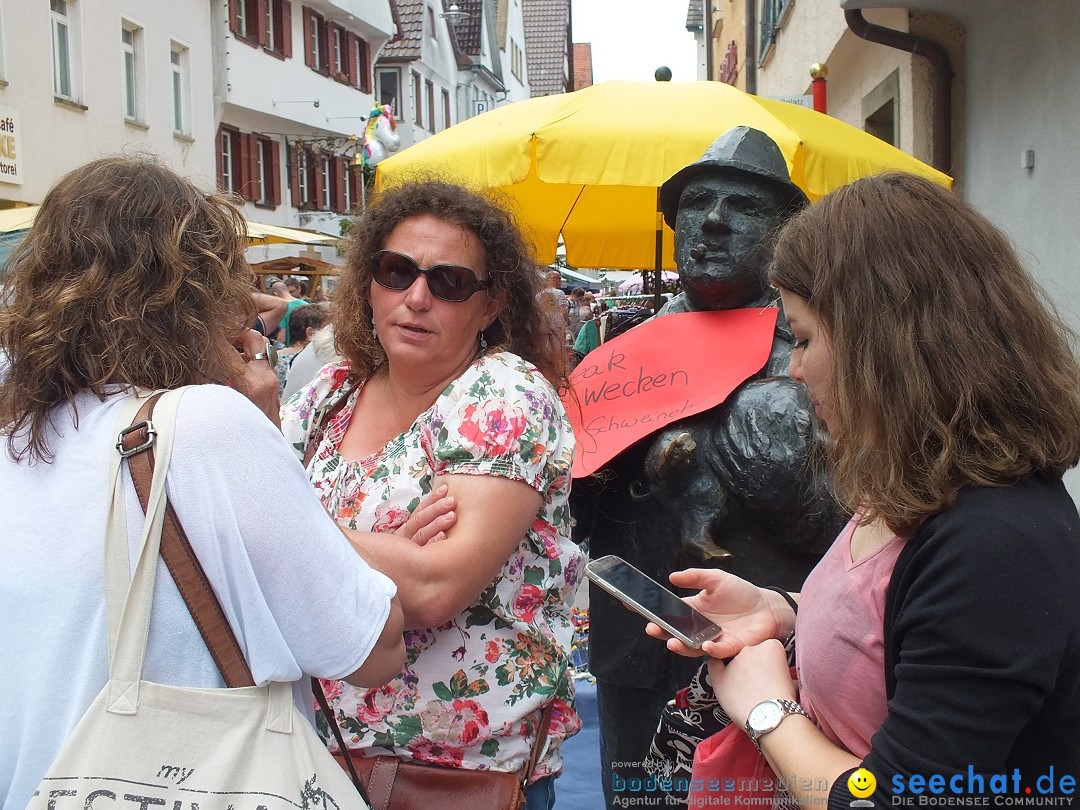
230,160
773,14
277,25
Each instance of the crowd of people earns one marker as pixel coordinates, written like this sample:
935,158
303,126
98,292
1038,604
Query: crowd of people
416,553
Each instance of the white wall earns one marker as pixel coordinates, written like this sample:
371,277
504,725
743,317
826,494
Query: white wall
1017,88
57,137
815,31
515,30
1024,93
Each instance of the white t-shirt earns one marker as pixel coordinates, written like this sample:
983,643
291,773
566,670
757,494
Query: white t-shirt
298,597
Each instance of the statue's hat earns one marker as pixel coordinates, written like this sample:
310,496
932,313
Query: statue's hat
741,150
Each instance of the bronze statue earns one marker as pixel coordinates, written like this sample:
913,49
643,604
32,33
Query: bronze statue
735,486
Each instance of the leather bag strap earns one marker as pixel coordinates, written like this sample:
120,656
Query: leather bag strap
187,572
383,776
318,430
324,705
538,746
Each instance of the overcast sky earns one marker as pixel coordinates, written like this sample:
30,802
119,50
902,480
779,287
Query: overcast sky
631,38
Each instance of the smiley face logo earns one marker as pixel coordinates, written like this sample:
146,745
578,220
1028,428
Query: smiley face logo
861,783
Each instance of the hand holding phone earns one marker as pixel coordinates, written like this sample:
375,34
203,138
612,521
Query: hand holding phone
652,600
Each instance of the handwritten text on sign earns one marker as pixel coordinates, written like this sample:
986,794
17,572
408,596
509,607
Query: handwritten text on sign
666,369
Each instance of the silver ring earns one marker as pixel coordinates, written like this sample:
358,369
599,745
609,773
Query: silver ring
270,355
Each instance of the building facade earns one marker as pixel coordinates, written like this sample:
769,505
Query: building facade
82,79
994,103
293,89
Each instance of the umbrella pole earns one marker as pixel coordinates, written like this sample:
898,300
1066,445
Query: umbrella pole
658,298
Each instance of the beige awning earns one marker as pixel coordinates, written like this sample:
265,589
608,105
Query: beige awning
17,219
277,234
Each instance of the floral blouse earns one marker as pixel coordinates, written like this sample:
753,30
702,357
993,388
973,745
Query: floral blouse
472,690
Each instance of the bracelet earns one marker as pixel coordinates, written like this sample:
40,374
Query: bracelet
787,596
789,643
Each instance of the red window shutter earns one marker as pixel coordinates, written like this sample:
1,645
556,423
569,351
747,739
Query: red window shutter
418,100
365,66
317,186
327,34
350,57
242,164
294,174
339,169
260,23
232,17
220,161
286,29
309,24
274,192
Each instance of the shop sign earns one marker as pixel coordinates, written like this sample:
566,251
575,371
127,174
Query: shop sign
10,146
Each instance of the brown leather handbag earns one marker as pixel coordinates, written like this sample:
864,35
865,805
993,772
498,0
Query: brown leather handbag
390,783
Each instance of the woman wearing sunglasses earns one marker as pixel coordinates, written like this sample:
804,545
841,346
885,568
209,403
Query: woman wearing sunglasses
449,386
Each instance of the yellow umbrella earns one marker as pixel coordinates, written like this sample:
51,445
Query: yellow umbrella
588,164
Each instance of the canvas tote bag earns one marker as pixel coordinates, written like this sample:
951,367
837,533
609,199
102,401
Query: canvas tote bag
148,745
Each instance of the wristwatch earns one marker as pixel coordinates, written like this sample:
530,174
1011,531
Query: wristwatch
768,714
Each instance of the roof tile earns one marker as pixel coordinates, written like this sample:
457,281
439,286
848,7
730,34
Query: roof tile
695,16
411,31
547,39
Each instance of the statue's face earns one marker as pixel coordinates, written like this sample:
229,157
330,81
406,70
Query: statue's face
720,231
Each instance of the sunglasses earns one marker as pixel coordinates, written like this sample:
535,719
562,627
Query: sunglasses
450,282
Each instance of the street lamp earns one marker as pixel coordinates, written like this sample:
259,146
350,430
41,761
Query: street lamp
455,15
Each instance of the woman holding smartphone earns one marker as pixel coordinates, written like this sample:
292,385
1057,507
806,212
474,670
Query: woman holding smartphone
940,635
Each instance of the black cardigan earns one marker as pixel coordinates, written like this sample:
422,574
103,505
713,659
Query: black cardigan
982,650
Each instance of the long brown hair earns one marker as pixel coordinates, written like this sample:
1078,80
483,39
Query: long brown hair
521,324
950,367
130,275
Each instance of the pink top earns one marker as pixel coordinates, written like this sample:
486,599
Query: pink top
840,642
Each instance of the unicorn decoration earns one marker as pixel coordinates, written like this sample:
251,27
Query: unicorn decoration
380,135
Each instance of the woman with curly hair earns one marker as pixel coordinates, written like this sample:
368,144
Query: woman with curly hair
132,280
938,640
450,386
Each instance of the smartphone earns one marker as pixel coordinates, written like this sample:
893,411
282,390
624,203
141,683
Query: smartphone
652,600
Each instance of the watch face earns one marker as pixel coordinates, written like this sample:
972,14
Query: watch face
765,716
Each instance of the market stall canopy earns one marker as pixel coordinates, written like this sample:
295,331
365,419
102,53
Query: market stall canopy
588,164
314,269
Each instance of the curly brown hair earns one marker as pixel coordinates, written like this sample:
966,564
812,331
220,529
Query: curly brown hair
522,323
130,275
950,366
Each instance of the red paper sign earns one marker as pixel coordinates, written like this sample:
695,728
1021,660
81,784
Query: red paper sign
666,369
